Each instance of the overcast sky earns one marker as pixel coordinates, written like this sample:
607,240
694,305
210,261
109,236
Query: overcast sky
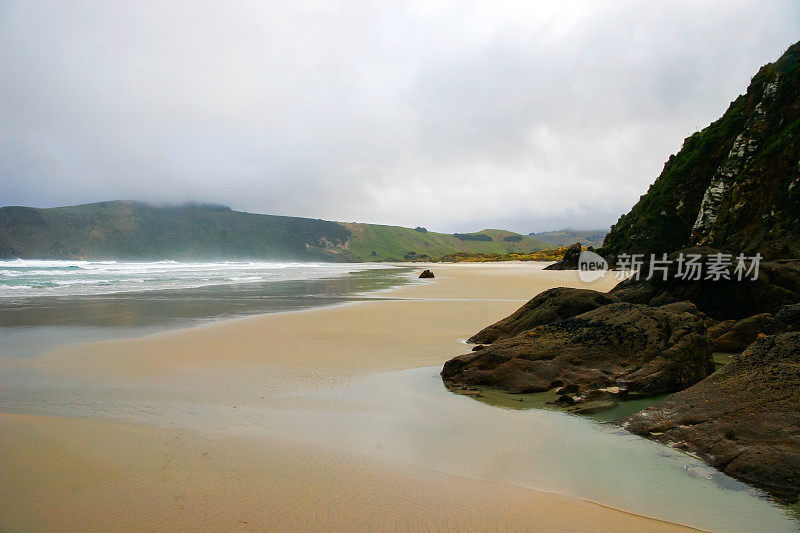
452,115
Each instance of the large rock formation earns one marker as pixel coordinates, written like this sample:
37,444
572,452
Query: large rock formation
790,315
777,284
733,188
744,419
736,335
570,259
640,349
551,305
735,185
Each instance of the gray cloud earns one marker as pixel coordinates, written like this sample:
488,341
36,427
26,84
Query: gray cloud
452,115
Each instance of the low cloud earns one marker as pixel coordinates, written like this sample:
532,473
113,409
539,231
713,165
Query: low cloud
451,115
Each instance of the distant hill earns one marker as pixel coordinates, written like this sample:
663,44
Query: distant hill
372,242
735,185
565,237
133,230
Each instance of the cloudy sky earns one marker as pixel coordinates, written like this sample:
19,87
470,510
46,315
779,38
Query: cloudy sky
453,115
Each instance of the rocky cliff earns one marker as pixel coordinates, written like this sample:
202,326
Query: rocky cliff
735,185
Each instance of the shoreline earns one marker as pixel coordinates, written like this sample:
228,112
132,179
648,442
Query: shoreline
247,361
382,320
281,492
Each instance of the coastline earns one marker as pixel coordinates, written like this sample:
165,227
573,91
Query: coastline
162,474
129,478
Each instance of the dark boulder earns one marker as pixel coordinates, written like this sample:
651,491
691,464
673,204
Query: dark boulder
551,305
682,307
744,419
736,335
570,259
427,274
777,284
790,316
688,307
640,349
565,400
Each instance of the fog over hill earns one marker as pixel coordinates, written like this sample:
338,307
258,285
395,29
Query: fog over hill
134,230
456,115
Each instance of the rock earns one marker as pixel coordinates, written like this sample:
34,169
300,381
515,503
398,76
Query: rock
597,394
565,400
478,347
427,274
570,259
778,284
744,419
719,329
790,315
688,307
568,389
664,351
592,407
736,335
466,390
682,307
549,306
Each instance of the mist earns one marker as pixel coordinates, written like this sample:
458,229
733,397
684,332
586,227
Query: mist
455,116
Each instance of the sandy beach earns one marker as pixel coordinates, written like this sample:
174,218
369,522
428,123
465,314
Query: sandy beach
87,473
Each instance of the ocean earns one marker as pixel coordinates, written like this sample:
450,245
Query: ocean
20,278
44,304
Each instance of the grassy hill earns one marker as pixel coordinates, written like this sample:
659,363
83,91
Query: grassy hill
132,230
565,237
373,242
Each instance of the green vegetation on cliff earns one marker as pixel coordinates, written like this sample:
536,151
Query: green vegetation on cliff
132,230
733,185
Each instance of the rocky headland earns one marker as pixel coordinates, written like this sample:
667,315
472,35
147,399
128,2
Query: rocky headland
730,201
743,419
619,348
550,306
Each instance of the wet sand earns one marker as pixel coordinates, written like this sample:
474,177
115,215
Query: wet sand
83,473
425,326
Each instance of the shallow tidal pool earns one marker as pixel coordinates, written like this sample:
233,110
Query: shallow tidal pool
410,418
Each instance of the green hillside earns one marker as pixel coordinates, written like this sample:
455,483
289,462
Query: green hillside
132,230
565,237
373,242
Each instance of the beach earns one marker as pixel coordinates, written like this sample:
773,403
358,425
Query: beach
242,424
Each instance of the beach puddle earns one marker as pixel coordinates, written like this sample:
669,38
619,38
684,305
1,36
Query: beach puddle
616,410
414,419
409,418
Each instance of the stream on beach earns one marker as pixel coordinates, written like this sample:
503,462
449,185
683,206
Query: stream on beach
404,417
